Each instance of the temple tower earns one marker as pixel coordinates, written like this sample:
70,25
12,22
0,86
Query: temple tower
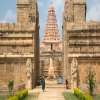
51,36
51,45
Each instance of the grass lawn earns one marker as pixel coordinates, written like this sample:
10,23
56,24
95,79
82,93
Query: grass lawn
3,98
97,97
69,96
32,96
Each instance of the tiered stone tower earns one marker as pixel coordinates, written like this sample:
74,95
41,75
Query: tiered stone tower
19,47
51,43
81,45
52,37
51,29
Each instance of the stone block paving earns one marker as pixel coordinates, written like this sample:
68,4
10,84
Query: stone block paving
51,94
53,91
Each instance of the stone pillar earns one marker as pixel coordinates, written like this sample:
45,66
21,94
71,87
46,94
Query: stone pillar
29,74
66,52
74,73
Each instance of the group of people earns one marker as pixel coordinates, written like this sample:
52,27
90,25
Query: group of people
42,83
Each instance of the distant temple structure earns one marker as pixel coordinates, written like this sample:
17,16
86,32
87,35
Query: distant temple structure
19,47
81,45
51,47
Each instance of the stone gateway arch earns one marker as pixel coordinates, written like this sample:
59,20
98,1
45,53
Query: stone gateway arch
51,47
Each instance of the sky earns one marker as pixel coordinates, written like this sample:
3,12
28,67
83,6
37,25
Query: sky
8,11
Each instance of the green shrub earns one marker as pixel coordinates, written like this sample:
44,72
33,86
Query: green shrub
13,98
25,93
20,95
10,87
81,96
69,96
77,92
88,97
91,80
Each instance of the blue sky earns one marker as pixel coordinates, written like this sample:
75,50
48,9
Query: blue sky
8,11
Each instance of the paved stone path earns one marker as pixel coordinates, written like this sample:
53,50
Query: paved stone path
53,91
51,94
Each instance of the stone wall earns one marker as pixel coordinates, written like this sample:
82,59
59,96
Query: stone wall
83,44
83,69
4,27
11,70
18,42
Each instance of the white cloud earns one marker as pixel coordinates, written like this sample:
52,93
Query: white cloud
10,17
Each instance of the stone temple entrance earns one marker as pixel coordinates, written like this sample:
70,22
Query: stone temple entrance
51,48
51,67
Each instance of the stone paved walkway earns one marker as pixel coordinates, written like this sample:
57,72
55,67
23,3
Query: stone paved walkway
53,91
51,94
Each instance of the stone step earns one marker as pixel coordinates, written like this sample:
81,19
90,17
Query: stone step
55,86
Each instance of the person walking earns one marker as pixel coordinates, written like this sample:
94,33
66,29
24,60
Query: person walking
43,83
66,84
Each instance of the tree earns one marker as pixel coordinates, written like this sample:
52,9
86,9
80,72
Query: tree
10,87
91,81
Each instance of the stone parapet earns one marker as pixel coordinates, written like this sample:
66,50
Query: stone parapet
17,56
84,42
79,1
23,2
16,42
18,35
83,26
16,27
91,55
